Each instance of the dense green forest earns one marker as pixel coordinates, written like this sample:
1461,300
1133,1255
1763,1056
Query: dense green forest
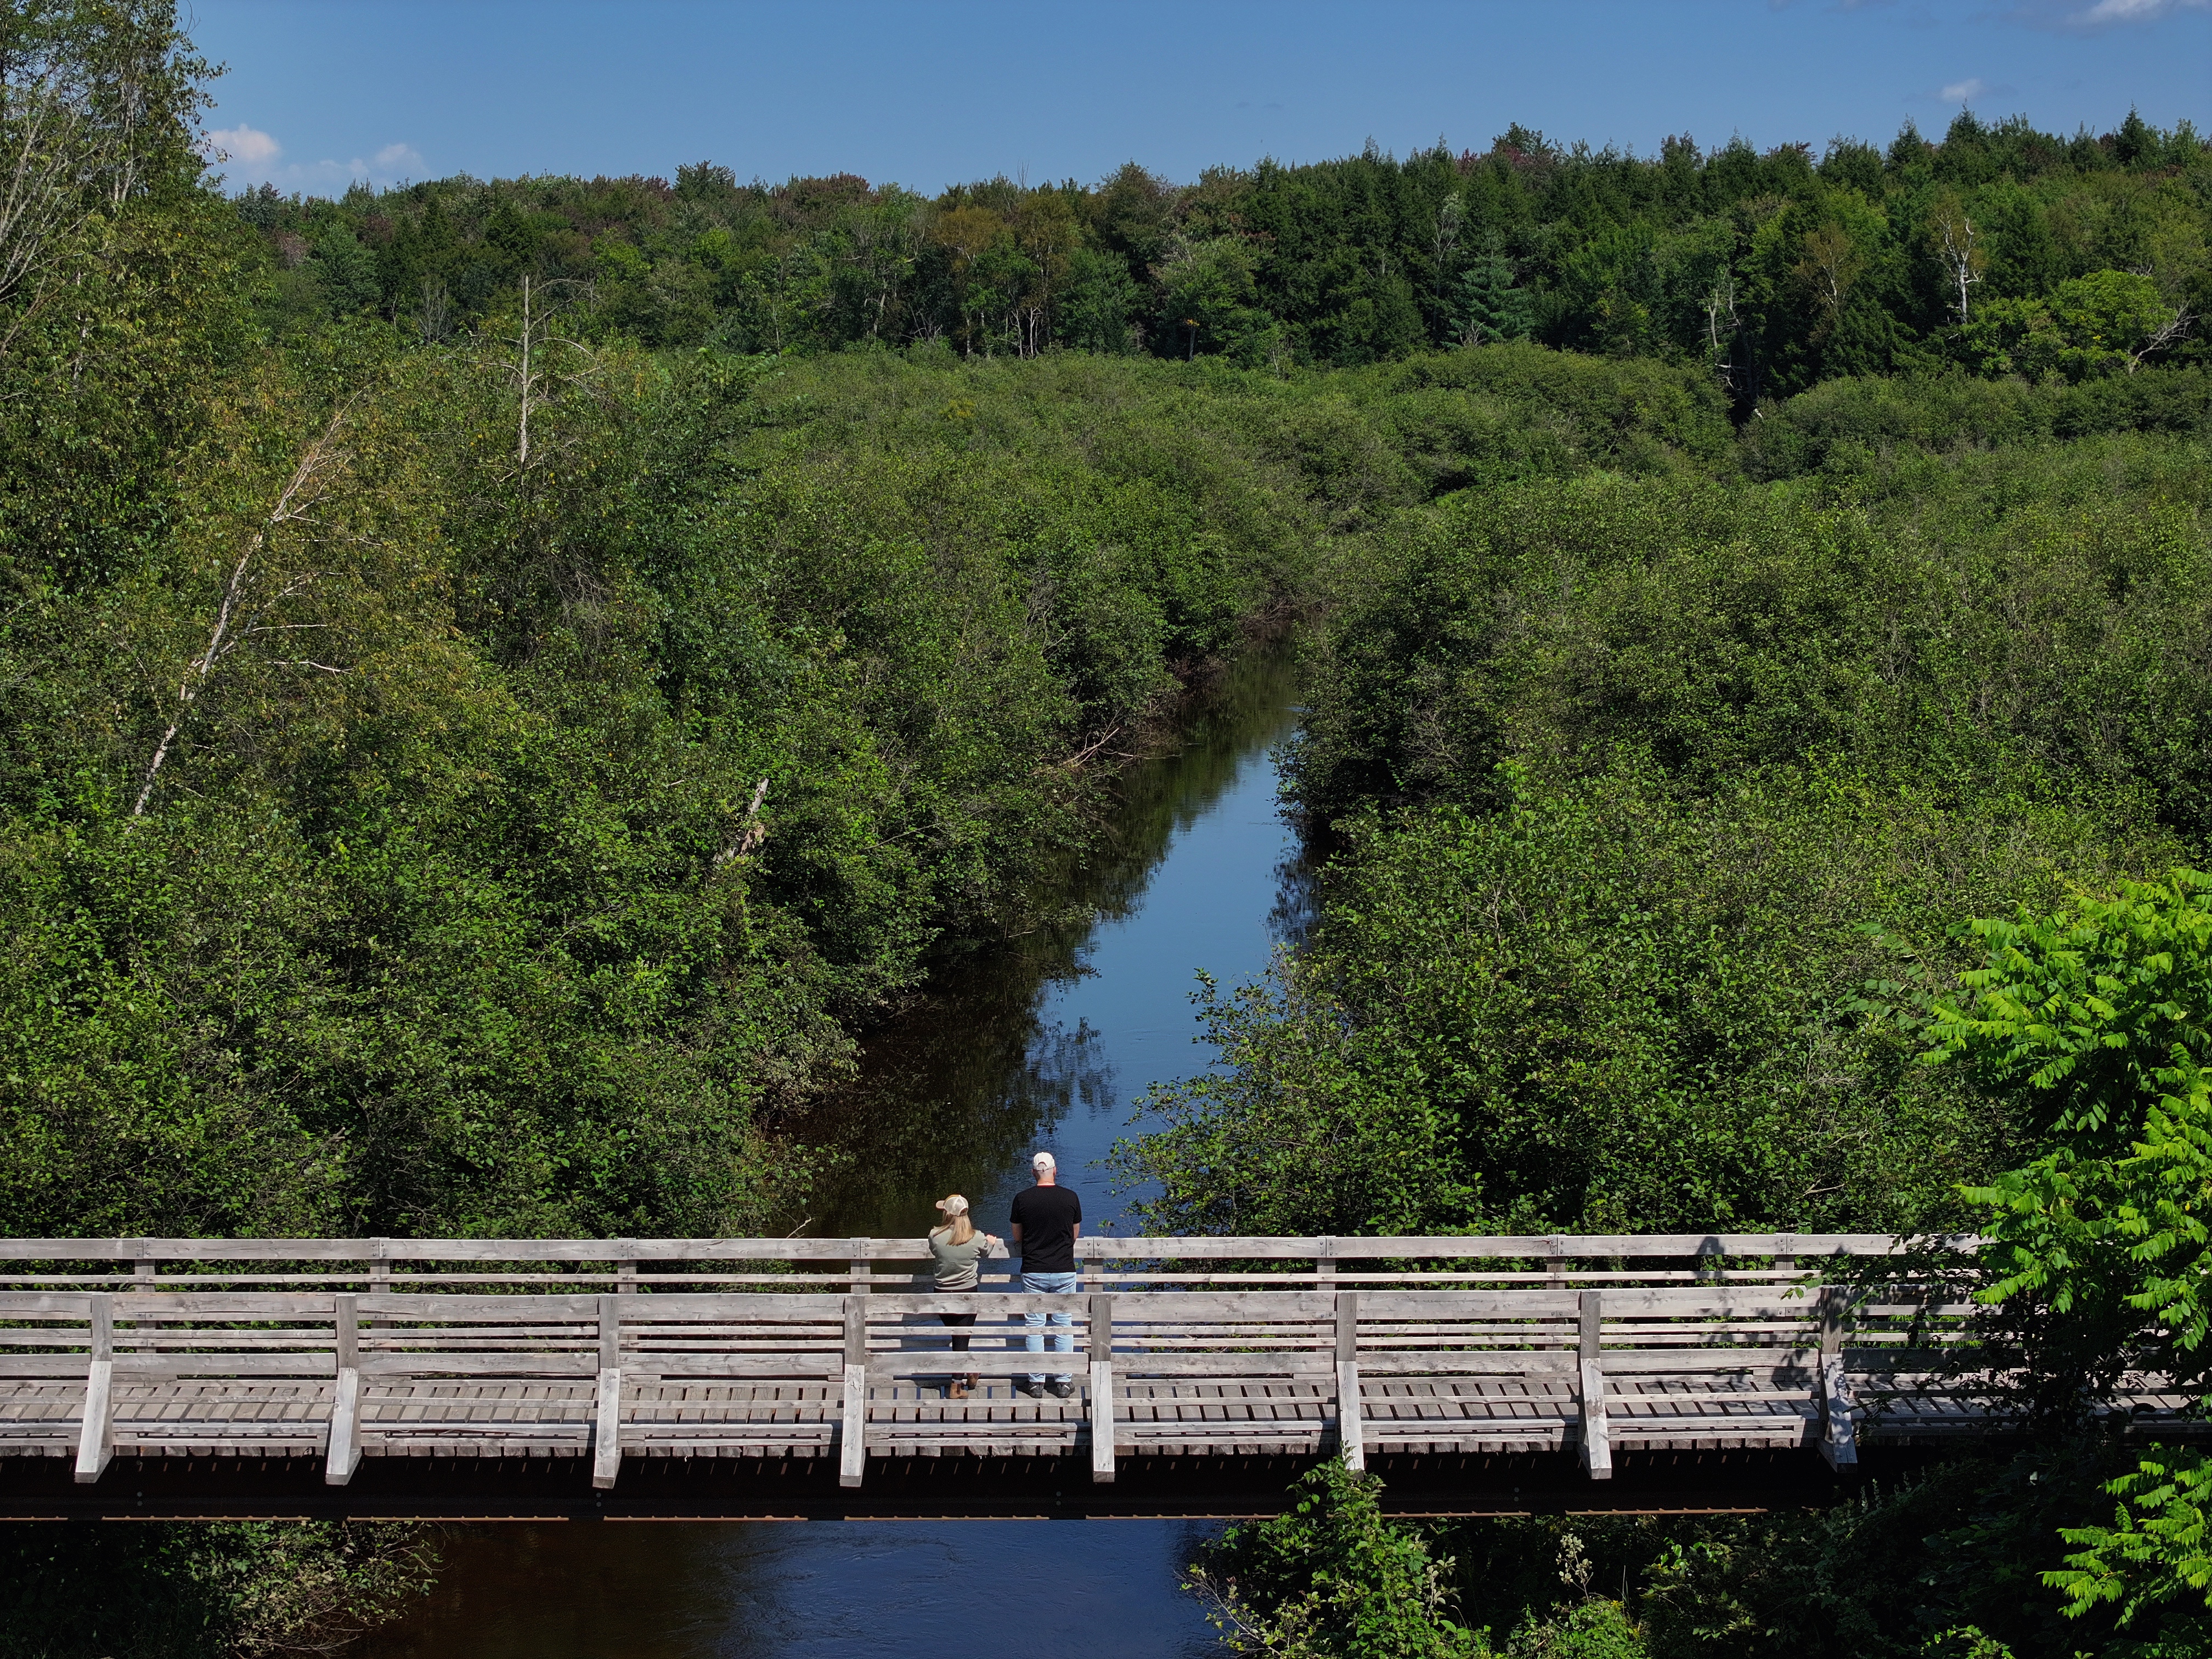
503,684
1998,251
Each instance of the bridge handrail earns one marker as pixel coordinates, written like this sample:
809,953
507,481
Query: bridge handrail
1098,1247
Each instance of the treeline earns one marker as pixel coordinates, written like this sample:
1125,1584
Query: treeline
2000,249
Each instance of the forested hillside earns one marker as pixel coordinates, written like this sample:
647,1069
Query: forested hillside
502,683
1998,251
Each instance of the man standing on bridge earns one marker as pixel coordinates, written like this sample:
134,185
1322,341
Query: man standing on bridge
1047,1221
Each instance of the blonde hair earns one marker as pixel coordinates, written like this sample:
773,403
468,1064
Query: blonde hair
958,1228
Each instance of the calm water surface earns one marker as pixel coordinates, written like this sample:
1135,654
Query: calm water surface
1045,1044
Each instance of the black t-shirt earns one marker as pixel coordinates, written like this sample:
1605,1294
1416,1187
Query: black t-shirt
1047,1217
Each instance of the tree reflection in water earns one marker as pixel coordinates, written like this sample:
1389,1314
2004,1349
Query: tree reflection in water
1043,1039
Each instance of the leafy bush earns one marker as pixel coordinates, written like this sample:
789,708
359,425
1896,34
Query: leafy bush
1332,1579
203,1590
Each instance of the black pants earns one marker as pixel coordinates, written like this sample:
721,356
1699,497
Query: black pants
960,1342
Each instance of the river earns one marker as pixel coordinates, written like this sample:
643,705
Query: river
1044,1042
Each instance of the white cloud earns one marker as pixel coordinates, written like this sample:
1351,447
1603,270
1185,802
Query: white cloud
247,156
1964,92
2133,11
246,144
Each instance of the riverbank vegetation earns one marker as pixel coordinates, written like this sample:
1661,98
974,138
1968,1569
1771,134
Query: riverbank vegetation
504,682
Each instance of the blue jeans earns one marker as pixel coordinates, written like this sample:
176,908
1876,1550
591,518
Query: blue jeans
1063,1339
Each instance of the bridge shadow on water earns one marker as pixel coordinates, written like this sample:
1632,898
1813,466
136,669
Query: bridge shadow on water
1038,1041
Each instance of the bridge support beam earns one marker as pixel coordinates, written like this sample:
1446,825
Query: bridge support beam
1839,1435
606,1427
342,1456
853,1424
1100,1340
95,1442
1597,1444
1351,1421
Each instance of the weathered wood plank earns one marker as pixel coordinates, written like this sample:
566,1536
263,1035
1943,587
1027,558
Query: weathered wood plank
606,1430
852,1438
343,1457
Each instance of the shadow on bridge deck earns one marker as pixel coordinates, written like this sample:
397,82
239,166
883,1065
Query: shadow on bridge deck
957,1488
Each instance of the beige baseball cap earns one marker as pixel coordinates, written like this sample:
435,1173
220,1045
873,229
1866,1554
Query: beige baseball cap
954,1205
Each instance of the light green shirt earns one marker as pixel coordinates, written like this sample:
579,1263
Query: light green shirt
954,1264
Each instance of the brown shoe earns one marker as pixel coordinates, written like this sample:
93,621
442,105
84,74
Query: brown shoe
974,1381
956,1390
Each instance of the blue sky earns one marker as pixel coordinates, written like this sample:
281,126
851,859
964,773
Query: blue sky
320,92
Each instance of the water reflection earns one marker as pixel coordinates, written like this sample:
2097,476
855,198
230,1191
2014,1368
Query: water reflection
1045,1043
1041,1043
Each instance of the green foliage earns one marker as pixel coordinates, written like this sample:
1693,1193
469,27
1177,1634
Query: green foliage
1850,427
1946,1564
203,1590
2091,1011
2099,1252
2007,619
1598,1629
1331,1578
1605,1006
1487,308
2155,1553
1999,250
2096,1017
2106,320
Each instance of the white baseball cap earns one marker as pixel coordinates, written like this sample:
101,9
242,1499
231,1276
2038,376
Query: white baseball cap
1044,1161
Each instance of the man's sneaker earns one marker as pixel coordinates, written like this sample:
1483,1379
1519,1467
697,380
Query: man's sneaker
1034,1390
1064,1388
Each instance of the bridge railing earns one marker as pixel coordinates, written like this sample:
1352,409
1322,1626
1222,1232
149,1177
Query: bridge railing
1571,1316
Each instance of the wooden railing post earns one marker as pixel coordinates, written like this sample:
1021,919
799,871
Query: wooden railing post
606,1433
625,1267
379,1276
1099,1339
1597,1446
142,1281
1839,1435
342,1456
95,1442
853,1429
1351,1421
1325,1266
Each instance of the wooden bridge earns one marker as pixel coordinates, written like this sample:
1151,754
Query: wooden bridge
739,1376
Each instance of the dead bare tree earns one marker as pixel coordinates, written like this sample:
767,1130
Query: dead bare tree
1722,327
238,613
2171,331
1953,235
535,344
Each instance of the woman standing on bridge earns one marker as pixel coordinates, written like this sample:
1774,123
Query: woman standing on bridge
954,1250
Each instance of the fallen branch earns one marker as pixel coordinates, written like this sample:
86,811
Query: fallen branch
298,497
754,832
1075,763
